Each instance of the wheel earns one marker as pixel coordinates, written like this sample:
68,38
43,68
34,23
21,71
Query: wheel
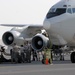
72,57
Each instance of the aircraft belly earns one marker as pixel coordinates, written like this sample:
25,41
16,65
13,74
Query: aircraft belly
57,40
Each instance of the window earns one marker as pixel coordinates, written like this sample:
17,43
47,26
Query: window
56,12
52,10
73,9
69,10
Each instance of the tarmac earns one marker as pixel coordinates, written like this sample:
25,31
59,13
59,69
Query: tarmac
37,68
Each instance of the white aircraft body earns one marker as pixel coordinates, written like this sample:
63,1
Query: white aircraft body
60,21
59,24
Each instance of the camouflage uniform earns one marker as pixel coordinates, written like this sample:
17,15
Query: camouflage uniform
28,52
15,54
22,54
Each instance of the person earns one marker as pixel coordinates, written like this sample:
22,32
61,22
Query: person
12,55
27,47
2,51
35,56
44,33
47,55
15,53
28,55
61,53
22,53
40,56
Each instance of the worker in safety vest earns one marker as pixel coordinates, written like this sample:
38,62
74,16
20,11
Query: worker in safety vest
47,55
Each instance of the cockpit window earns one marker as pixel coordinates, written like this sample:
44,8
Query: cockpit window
56,12
52,10
73,9
69,10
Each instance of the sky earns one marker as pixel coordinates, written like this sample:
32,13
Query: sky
23,12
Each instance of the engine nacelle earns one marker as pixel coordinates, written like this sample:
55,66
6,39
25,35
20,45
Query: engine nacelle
11,37
39,41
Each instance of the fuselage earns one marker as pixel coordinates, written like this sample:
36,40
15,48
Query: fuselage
60,23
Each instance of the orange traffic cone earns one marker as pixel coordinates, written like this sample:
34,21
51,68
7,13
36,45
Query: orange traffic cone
46,61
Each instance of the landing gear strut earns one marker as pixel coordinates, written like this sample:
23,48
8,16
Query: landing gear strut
72,57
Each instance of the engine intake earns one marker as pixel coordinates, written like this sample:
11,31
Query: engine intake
8,38
39,41
11,37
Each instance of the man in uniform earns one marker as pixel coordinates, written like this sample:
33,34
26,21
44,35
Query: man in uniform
15,53
28,51
22,53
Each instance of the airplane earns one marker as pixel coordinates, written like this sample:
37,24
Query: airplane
59,24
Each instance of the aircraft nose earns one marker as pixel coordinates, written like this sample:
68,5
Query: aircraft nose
46,25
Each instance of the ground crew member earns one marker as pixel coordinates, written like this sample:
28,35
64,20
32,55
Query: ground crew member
61,53
22,53
2,51
15,53
47,55
28,52
26,45
25,50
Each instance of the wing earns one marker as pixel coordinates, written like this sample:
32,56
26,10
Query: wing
13,25
29,30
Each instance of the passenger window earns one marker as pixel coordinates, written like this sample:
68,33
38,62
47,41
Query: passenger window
69,10
73,9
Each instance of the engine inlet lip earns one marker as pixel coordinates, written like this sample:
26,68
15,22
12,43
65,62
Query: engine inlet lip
5,37
35,40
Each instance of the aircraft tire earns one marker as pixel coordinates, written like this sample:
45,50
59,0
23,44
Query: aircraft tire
72,57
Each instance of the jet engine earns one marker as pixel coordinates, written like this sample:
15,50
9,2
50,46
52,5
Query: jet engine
39,41
11,37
